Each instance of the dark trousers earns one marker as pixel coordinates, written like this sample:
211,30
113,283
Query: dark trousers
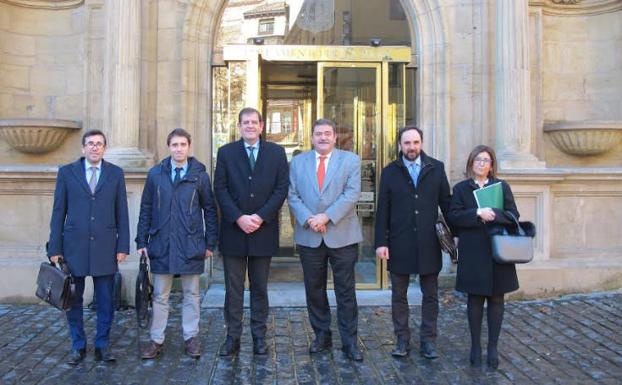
103,287
429,306
315,270
258,272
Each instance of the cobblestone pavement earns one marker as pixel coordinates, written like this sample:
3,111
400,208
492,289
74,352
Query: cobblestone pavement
571,340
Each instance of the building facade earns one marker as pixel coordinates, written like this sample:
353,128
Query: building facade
540,80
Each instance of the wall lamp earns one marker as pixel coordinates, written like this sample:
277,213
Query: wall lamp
375,42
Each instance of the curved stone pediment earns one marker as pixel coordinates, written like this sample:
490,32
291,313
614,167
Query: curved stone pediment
45,4
576,7
36,136
585,138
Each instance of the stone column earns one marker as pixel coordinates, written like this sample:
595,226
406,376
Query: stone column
122,64
512,77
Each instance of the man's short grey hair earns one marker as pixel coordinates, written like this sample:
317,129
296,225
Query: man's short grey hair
324,122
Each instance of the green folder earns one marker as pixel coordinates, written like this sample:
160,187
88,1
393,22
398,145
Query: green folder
490,196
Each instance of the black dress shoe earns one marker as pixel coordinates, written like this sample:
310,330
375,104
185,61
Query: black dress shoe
230,347
401,348
352,352
103,354
321,342
493,358
428,350
76,356
475,357
259,346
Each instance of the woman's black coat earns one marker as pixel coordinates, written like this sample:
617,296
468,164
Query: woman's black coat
477,272
406,216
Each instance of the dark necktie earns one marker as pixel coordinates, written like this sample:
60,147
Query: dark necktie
251,157
177,175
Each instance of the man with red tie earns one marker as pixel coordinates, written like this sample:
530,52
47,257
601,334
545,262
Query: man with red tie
324,186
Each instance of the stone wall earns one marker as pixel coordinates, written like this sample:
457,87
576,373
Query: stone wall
42,72
88,62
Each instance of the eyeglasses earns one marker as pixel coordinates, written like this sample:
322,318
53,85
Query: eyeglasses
94,144
482,160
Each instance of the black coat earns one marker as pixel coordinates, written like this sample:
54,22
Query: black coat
240,191
406,216
89,229
477,272
177,223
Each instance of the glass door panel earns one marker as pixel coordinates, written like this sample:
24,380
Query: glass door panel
350,95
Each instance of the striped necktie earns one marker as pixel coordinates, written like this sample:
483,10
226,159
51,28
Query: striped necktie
251,157
93,180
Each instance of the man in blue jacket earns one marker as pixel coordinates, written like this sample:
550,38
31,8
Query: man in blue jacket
89,229
177,230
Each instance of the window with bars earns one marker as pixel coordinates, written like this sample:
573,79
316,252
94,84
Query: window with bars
266,26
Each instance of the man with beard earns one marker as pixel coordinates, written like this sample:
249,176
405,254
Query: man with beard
412,188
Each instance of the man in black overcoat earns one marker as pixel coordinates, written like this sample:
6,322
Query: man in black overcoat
412,188
250,184
89,229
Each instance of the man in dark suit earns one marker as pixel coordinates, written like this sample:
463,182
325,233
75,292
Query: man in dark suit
250,184
325,185
412,188
89,229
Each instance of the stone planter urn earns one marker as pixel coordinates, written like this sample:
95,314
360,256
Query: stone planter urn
584,138
36,136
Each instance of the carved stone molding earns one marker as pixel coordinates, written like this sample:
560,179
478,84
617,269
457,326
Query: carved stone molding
36,136
566,1
584,138
45,4
576,7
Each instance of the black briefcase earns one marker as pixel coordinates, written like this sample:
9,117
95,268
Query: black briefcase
55,285
445,238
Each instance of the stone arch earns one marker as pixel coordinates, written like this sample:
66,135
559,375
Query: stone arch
427,27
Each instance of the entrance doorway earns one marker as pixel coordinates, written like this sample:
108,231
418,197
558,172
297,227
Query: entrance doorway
362,89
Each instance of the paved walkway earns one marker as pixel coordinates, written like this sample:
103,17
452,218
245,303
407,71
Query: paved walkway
572,340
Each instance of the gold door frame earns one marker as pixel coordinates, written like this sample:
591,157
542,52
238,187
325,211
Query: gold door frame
358,131
336,56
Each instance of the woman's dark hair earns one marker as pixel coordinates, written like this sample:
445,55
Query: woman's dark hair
474,153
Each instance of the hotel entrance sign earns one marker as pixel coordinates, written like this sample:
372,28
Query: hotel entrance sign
398,54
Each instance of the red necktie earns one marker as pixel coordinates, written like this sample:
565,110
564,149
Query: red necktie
321,171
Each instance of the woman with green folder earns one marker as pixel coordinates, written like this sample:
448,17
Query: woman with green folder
478,275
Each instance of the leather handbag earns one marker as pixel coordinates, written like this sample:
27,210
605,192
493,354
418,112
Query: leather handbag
516,246
55,284
445,238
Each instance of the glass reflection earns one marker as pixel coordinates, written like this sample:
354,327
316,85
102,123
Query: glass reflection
314,22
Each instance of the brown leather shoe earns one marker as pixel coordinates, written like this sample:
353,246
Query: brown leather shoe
151,351
193,347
